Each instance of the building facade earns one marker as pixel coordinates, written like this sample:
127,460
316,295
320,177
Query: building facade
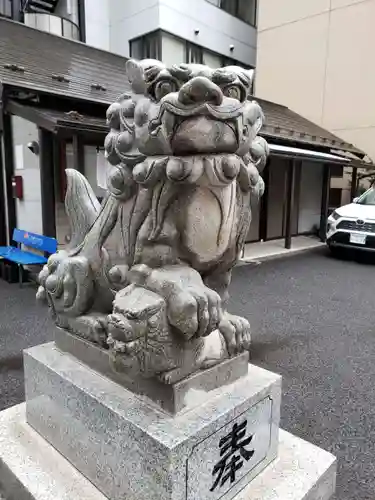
314,56
214,32
44,106
59,17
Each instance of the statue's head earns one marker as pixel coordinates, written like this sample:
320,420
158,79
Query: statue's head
183,110
136,330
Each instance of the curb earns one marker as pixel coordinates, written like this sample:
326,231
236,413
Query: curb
281,255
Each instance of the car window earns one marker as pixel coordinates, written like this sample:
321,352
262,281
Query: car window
367,198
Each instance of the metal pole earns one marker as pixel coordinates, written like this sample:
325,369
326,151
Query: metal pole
325,202
353,187
291,179
46,167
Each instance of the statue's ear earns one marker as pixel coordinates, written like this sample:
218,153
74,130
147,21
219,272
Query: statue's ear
258,118
251,74
135,74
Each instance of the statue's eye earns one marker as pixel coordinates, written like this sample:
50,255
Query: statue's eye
233,91
163,88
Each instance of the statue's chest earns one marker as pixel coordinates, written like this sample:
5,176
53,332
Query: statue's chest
209,221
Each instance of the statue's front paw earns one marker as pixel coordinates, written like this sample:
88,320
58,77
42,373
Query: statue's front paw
67,284
195,311
236,332
174,375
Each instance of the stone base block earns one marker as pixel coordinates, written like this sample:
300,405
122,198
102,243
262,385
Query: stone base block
129,448
172,398
31,469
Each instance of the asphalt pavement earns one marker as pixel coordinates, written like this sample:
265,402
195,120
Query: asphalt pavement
313,322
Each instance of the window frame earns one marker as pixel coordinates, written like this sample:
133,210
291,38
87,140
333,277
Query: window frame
236,15
335,174
189,47
3,3
158,39
224,60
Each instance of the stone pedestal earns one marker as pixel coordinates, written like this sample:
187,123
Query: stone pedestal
128,447
82,435
31,469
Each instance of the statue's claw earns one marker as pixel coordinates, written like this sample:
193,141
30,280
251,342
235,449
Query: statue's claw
68,282
236,332
195,310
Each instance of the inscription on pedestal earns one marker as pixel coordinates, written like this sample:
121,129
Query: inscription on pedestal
230,454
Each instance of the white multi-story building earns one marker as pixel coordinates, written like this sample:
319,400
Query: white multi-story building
214,32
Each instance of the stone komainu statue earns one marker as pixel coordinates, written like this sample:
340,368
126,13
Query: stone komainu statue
185,160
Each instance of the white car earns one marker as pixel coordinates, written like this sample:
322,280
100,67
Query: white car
353,226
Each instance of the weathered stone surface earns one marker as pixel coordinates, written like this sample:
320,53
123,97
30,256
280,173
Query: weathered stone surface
186,162
170,397
129,448
31,469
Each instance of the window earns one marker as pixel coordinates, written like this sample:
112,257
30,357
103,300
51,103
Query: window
173,50
211,59
228,61
6,9
246,10
194,53
335,197
146,47
368,198
336,171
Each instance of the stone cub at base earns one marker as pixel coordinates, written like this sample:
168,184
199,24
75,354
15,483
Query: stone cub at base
139,332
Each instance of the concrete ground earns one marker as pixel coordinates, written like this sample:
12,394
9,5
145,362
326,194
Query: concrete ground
313,322
268,250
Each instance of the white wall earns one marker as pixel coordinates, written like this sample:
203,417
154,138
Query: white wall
130,19
89,166
97,17
28,210
310,196
90,170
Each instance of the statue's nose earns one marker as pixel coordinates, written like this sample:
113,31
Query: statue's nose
199,90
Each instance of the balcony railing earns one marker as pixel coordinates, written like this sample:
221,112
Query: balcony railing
53,24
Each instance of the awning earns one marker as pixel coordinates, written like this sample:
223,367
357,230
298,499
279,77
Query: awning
63,122
289,152
319,156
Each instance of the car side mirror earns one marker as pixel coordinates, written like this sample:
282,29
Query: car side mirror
355,200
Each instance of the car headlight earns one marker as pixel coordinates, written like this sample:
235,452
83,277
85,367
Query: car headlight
335,215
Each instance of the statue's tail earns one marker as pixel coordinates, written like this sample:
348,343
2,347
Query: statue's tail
81,206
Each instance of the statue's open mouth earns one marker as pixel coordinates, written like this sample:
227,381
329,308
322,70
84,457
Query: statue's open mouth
200,134
199,128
